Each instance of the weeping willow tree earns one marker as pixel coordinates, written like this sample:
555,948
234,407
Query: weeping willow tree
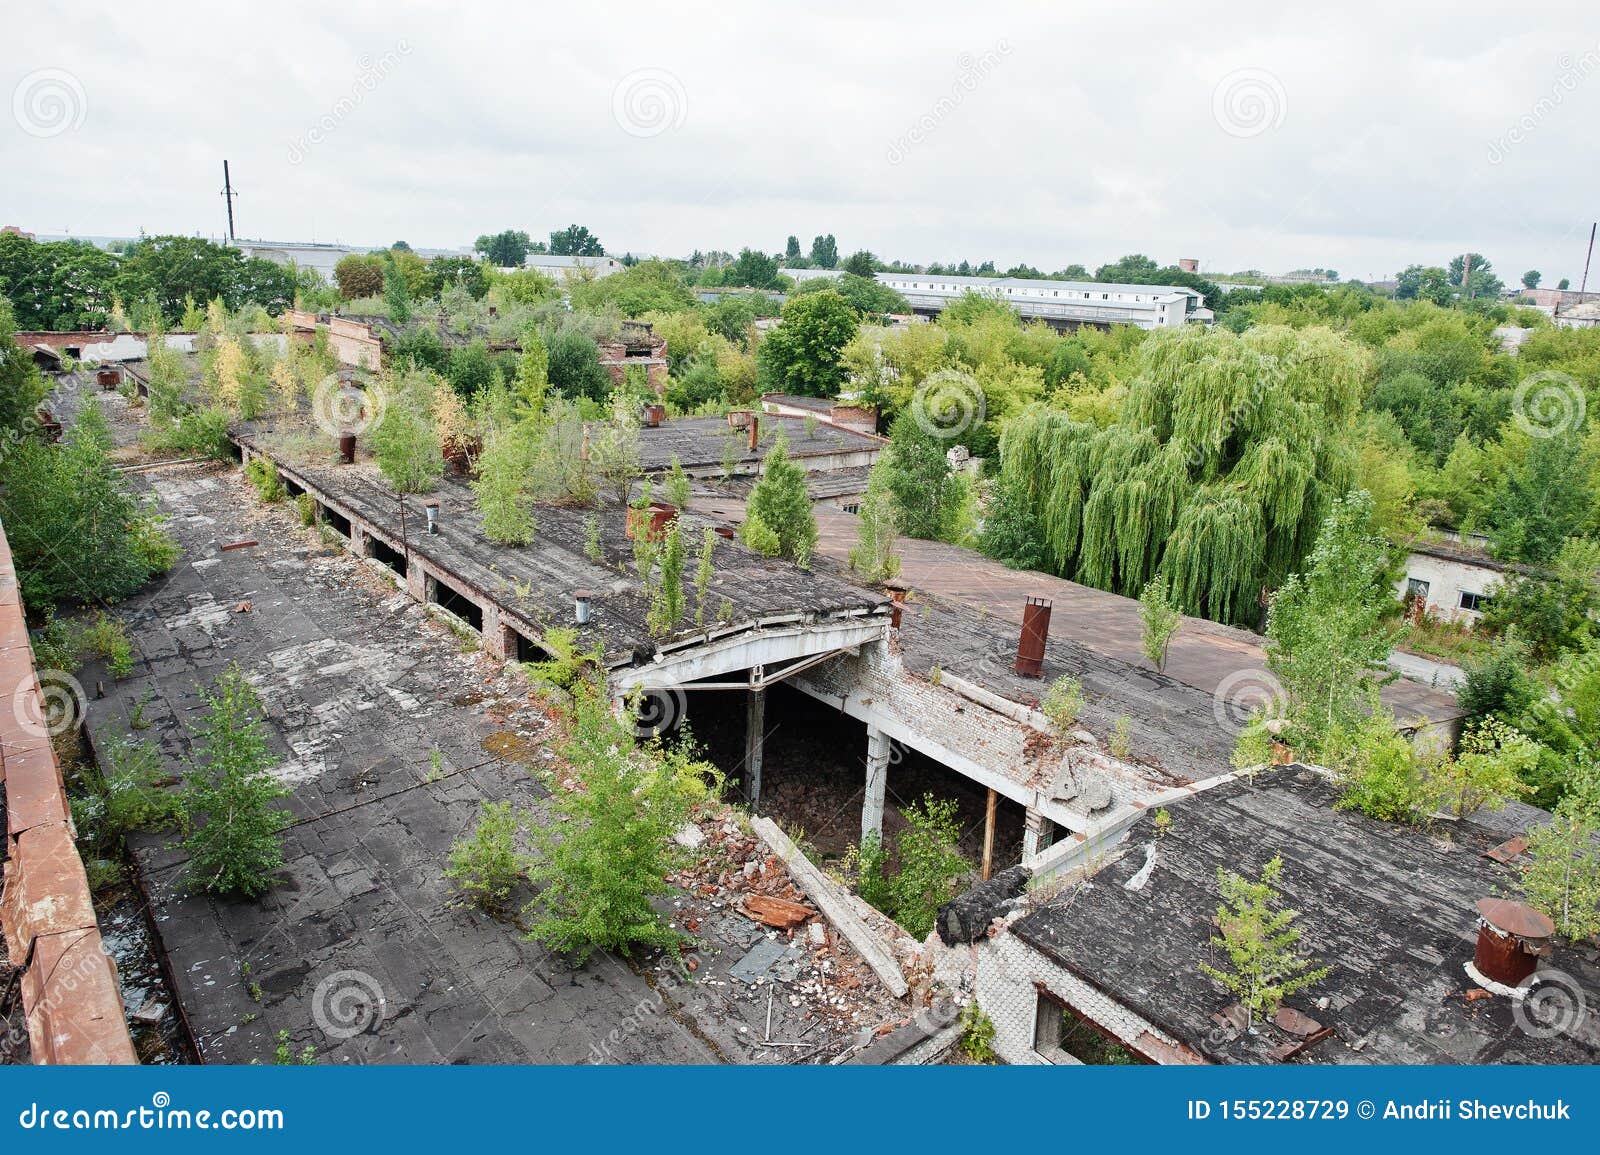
1226,453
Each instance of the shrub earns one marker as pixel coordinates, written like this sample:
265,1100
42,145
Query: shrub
678,488
1261,942
1488,770
262,474
931,869
107,638
779,502
668,604
1380,775
197,433
234,842
1562,875
487,864
977,1034
306,507
127,791
608,851
1063,702
760,537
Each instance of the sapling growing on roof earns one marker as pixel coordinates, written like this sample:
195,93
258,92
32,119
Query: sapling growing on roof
1261,943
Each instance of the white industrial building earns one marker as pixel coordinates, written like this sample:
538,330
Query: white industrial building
1058,302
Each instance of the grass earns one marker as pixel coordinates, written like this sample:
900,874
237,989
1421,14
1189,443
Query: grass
1452,642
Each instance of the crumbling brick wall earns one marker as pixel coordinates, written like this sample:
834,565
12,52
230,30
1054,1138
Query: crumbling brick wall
70,994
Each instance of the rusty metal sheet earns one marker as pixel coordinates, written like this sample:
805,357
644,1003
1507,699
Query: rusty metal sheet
73,1002
46,891
34,796
1507,850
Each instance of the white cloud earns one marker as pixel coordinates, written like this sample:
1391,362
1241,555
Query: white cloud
1049,133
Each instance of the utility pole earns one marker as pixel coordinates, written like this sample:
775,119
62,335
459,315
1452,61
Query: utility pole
1584,286
228,194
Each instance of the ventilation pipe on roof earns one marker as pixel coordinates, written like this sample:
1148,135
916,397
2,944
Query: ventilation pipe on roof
755,432
431,508
581,602
1511,940
1035,631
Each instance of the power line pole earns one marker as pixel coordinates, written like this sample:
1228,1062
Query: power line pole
228,194
1584,286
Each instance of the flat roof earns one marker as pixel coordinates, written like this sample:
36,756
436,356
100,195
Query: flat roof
535,583
1030,283
698,442
1391,909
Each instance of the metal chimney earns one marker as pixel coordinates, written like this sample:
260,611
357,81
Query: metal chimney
755,432
1035,631
581,600
431,508
347,447
1511,940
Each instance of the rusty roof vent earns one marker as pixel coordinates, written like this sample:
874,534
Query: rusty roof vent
1511,940
755,432
1035,631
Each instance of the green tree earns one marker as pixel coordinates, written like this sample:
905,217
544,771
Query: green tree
931,868
1419,283
668,603
1542,499
861,264
1159,619
1562,875
504,486
780,505
1327,637
506,250
575,241
234,843
574,366
1550,610
754,269
802,355
396,295
1262,944
76,532
866,295
915,471
874,557
606,854
824,252
21,388
791,249
1482,284
405,443
1216,472
1530,279
456,272
488,864
358,275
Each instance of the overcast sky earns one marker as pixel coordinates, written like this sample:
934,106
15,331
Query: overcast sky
1357,137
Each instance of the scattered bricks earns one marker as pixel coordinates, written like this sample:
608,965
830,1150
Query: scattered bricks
239,543
775,912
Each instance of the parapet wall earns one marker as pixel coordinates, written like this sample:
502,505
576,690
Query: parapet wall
70,995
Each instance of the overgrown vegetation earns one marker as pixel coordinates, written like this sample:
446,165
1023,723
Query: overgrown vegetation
1261,942
488,864
234,830
929,869
608,849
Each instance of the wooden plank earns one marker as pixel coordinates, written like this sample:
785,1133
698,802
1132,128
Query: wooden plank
834,905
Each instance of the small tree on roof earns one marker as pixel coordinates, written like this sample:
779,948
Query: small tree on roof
1160,619
779,504
1261,943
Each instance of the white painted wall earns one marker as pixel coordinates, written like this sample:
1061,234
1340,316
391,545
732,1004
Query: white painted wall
1447,580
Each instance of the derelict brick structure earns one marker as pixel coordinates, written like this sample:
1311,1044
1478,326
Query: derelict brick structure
70,994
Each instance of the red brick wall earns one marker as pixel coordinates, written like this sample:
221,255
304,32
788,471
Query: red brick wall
70,994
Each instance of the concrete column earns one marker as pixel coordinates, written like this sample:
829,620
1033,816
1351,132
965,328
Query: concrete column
755,721
877,781
1033,834
417,581
494,633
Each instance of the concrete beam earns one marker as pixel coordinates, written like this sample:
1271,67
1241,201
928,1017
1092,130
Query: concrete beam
765,647
755,721
878,746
